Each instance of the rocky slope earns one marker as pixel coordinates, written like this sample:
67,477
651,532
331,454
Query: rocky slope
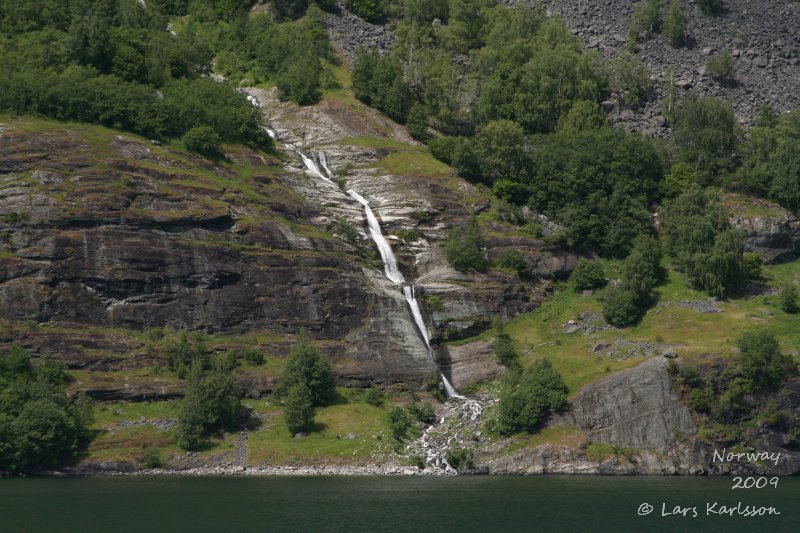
762,37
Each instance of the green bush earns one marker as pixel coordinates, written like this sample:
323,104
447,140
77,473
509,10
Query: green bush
504,350
631,81
762,364
400,423
203,140
182,354
254,356
526,398
707,132
619,307
423,413
464,246
346,231
460,458
514,260
788,299
299,410
753,266
152,458
306,366
374,396
588,275
722,67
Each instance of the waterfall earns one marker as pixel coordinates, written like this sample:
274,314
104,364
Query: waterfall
390,267
389,260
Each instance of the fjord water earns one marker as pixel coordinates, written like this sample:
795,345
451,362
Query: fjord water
392,504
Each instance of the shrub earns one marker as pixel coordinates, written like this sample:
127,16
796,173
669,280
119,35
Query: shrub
762,364
526,398
346,231
306,366
300,83
464,246
753,266
369,10
707,132
399,423
588,275
299,410
423,413
722,67
152,458
675,24
504,350
254,356
788,299
202,140
631,81
182,354
460,458
374,396
619,307
513,260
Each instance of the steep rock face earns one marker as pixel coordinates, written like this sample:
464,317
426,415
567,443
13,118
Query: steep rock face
106,231
469,363
637,408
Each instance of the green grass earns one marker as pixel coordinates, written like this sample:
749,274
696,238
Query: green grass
327,443
600,452
413,162
108,413
541,333
555,435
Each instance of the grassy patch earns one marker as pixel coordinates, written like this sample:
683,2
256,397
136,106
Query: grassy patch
600,452
107,413
414,163
541,333
328,443
379,142
556,435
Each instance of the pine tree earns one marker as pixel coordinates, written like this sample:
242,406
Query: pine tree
675,24
299,411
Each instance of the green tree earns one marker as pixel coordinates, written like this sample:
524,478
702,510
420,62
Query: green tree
762,364
647,15
39,426
464,246
699,237
679,177
707,131
504,350
418,122
619,307
500,150
299,410
289,9
675,24
306,366
467,24
300,82
630,79
527,397
400,423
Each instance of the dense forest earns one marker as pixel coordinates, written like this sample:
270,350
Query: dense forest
506,96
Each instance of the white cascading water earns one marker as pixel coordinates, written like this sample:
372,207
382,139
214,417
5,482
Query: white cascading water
390,266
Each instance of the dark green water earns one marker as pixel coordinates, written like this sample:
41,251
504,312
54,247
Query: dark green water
375,504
